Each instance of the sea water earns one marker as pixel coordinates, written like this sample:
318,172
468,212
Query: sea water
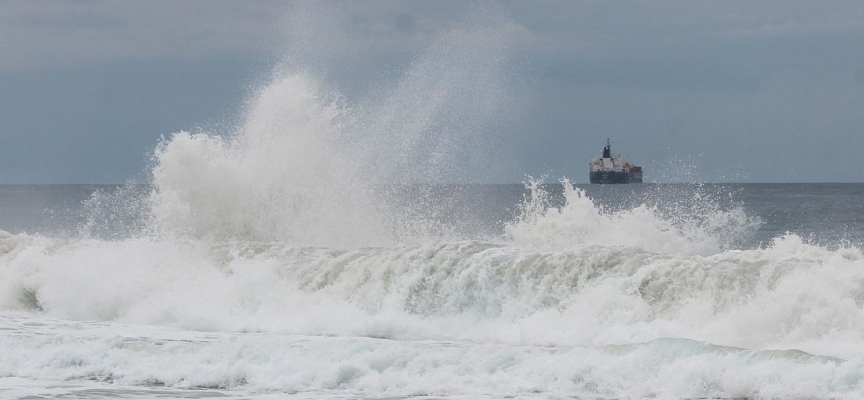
329,249
757,292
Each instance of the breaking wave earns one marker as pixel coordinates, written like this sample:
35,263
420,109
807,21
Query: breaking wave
789,294
783,320
291,226
693,225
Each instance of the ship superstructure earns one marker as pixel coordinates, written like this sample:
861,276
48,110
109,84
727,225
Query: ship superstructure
614,168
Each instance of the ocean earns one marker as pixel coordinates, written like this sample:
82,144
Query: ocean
323,245
676,291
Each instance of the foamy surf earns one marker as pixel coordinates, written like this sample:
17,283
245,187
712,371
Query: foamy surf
238,365
545,310
277,258
509,317
789,294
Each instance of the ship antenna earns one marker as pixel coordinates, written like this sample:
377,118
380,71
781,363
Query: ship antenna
607,151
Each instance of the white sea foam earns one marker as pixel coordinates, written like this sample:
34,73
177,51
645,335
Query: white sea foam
508,317
789,294
695,226
276,240
315,366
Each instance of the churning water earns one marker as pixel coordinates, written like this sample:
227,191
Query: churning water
320,250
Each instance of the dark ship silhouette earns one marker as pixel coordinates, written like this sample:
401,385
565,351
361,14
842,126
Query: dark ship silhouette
614,168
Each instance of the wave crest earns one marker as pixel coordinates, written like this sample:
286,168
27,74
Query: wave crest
699,228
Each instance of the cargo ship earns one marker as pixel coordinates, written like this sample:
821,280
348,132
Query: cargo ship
614,168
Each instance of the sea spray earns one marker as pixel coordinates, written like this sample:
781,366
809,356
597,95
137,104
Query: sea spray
790,294
684,225
279,178
451,312
278,257
307,169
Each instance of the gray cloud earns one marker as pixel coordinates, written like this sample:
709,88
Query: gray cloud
51,35
757,90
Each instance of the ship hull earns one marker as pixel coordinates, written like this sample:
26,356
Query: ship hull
605,177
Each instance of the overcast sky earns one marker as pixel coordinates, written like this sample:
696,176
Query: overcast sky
752,91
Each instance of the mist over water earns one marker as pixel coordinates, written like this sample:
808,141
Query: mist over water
278,178
324,248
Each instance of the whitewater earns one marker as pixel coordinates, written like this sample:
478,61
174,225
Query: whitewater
319,250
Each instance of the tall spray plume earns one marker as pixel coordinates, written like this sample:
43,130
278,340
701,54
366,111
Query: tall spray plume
308,168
